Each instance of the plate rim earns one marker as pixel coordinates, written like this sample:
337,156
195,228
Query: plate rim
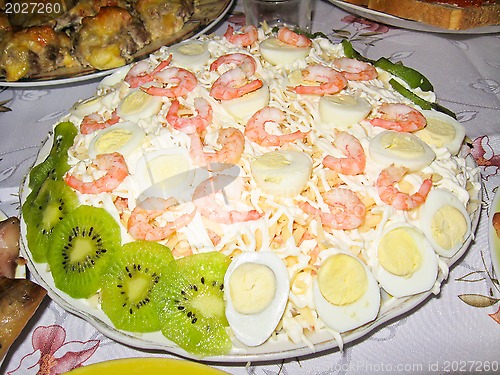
322,341
493,240
395,21
102,73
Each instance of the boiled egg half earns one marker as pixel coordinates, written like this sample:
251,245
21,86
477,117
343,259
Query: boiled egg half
123,137
191,54
442,131
407,263
138,105
403,149
343,111
243,107
165,173
276,52
282,173
256,288
445,222
346,294
88,106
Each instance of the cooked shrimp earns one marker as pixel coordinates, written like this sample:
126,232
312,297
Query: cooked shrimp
138,75
233,144
330,81
255,129
355,160
287,36
346,211
143,223
177,81
247,36
241,60
193,124
355,70
95,121
233,84
204,200
116,170
399,117
390,194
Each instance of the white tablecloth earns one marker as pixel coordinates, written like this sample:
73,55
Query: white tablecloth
442,335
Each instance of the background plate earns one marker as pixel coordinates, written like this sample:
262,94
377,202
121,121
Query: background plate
391,308
148,366
207,14
494,241
388,19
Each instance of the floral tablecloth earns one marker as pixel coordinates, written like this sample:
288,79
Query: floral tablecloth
448,333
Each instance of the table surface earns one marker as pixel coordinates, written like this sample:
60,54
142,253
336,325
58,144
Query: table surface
444,334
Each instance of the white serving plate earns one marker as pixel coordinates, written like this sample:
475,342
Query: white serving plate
391,308
494,240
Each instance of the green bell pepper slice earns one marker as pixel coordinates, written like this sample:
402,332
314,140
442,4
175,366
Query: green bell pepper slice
412,77
422,103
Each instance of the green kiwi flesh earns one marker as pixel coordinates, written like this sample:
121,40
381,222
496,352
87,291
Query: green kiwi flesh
133,274
43,211
55,164
191,304
80,248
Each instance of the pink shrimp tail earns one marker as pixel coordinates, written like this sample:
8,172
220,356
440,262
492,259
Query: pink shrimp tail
116,170
94,122
248,36
135,80
287,36
390,195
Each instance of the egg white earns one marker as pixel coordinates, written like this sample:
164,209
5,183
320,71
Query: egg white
125,146
138,105
190,54
285,178
173,180
422,280
278,53
342,111
442,131
242,108
254,329
415,156
350,316
436,199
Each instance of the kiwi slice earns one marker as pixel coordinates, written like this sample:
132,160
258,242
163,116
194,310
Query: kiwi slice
134,272
80,248
55,164
191,304
43,211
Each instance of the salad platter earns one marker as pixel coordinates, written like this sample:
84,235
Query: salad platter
236,242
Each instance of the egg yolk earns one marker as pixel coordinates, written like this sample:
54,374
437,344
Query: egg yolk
272,160
401,145
112,141
252,287
448,227
191,49
342,279
137,99
398,252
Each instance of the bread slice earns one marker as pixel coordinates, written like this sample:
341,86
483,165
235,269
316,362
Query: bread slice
445,16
